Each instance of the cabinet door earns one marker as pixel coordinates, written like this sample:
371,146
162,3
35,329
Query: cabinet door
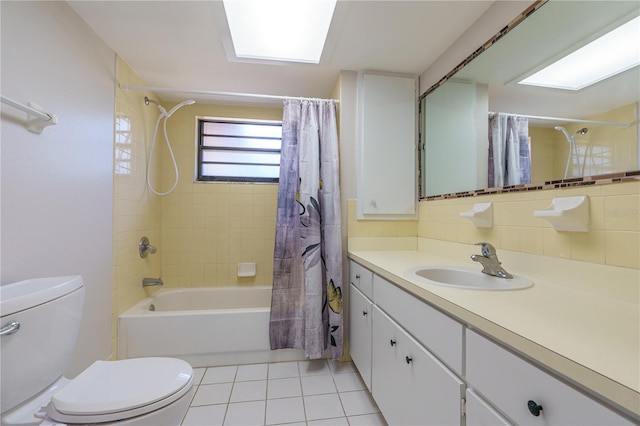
387,147
360,333
480,413
410,386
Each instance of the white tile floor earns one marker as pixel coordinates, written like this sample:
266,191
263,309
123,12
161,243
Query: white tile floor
294,393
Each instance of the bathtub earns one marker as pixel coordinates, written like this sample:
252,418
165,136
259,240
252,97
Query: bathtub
206,327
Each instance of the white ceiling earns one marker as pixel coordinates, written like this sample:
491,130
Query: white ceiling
180,44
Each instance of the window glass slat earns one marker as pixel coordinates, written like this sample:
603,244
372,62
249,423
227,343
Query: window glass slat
230,170
245,143
242,129
241,157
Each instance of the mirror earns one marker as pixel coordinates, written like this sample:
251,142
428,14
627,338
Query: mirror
597,130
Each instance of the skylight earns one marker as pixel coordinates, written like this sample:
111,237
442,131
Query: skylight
611,54
280,30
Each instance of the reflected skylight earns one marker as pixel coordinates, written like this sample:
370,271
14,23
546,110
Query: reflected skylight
611,54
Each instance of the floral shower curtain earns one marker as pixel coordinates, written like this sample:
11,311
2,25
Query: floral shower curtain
306,300
509,154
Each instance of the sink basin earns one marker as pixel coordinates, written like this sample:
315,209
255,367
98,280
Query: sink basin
465,278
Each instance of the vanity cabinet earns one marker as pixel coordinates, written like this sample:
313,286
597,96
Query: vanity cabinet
527,394
425,368
360,333
410,386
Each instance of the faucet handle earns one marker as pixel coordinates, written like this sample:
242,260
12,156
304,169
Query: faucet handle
487,249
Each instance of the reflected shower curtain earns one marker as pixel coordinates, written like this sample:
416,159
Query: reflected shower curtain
509,155
306,300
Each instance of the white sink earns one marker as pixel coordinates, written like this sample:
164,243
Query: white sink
465,278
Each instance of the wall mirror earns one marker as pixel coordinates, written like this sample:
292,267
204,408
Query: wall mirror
570,134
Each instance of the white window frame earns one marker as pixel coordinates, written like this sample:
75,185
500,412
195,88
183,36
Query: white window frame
208,144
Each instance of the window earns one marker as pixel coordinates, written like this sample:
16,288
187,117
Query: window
232,150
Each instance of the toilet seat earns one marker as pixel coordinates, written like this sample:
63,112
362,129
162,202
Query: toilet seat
118,390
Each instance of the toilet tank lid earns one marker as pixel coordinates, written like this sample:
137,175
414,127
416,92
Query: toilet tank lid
21,295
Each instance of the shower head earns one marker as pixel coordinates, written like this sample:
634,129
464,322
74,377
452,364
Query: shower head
180,105
172,110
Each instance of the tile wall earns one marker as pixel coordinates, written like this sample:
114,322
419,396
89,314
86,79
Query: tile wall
613,239
208,228
136,212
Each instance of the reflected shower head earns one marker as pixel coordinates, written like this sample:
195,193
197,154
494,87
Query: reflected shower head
564,132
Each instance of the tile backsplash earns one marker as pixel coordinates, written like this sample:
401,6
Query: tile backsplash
613,238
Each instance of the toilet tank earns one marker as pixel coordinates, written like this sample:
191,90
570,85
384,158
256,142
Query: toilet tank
49,311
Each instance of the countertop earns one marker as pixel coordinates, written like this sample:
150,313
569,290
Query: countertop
590,337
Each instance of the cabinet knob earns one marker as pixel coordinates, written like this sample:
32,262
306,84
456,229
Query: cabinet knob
534,408
408,359
392,342
364,313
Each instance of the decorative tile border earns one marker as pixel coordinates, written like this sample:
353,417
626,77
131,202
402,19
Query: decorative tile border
511,25
552,184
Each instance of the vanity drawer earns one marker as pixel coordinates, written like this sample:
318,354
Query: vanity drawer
510,383
361,278
441,334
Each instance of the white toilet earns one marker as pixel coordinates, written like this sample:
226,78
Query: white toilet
39,326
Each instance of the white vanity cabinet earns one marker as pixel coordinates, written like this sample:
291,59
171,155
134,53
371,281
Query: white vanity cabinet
527,394
410,386
423,367
360,315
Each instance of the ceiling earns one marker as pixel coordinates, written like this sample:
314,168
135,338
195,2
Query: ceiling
180,44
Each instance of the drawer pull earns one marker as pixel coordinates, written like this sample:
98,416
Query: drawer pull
408,359
392,342
534,408
364,313
357,276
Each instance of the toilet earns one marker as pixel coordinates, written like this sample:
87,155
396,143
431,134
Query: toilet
39,326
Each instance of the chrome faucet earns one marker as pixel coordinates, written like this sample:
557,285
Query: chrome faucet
490,262
146,282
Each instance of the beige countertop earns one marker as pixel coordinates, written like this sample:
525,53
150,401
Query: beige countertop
590,337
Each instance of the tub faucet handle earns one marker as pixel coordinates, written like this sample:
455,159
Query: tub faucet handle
145,248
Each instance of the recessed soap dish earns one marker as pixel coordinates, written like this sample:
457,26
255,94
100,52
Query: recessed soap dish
481,214
567,213
247,269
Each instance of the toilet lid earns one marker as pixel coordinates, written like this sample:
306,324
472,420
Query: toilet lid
113,386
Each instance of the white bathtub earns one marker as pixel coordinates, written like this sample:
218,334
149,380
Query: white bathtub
206,327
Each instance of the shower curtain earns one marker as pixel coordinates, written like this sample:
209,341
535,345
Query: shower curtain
306,300
509,155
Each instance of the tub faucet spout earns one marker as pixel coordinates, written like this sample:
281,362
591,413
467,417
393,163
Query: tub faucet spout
489,261
147,282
